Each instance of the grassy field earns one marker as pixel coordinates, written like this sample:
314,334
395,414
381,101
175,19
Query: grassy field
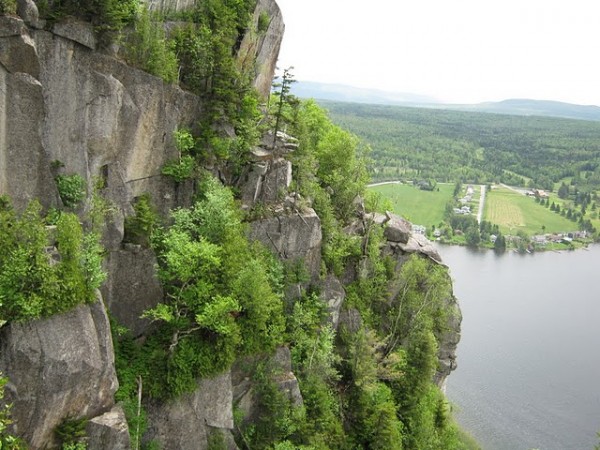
420,207
513,212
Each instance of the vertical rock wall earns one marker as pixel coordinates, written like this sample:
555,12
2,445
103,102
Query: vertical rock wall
61,367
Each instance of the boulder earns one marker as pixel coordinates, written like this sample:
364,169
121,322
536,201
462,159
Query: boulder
108,431
18,53
397,229
76,30
293,236
61,367
28,11
11,26
418,243
276,181
333,294
185,423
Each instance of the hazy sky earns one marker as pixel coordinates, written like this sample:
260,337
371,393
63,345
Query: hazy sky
462,51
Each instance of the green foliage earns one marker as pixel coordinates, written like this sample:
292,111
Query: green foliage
106,15
71,433
216,441
330,169
139,227
148,48
180,170
184,166
33,283
263,22
8,6
453,146
284,101
280,419
223,296
71,189
7,441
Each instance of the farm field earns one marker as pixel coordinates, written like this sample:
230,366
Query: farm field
420,207
513,212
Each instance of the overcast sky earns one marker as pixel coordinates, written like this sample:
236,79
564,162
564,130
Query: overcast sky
461,51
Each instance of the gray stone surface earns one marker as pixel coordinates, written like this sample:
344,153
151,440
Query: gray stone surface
350,321
169,5
276,181
397,229
333,294
132,287
263,46
293,236
418,243
28,11
61,367
108,431
252,181
183,423
11,26
448,340
76,30
18,53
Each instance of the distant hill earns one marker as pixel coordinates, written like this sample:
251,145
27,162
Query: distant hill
343,93
520,107
526,107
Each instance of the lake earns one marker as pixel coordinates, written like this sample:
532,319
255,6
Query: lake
529,359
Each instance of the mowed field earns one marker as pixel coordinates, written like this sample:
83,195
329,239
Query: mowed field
420,207
513,211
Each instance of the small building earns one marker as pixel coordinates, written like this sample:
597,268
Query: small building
418,229
493,238
540,193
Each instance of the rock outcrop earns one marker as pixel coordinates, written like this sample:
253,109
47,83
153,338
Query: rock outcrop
294,236
108,431
186,423
59,368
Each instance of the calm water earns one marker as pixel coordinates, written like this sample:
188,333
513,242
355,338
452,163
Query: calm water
529,360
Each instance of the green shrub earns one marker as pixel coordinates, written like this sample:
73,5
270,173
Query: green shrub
71,189
180,170
263,22
71,433
148,48
34,282
7,441
139,227
8,6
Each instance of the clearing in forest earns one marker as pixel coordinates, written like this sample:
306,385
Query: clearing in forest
513,211
420,207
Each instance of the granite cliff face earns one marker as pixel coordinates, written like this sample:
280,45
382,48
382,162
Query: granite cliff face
63,100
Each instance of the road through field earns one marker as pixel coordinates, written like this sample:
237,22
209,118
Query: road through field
481,203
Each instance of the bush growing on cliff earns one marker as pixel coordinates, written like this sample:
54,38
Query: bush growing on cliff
7,441
222,294
104,14
8,6
71,189
36,282
147,47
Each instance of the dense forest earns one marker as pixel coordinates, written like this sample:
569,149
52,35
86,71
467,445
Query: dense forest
445,145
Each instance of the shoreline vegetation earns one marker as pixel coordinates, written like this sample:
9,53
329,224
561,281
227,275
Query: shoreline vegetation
497,217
